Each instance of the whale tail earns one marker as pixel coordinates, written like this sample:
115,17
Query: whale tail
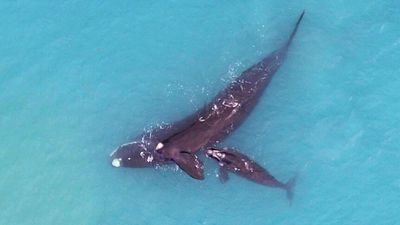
289,186
295,29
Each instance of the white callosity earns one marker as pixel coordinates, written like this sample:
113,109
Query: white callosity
159,146
116,162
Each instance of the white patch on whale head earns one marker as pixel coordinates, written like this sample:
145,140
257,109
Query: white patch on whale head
216,154
220,155
116,162
150,158
159,146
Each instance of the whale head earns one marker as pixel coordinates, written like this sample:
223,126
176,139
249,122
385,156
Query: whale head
215,154
134,154
138,155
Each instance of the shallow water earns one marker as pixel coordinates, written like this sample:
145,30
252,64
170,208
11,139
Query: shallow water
79,78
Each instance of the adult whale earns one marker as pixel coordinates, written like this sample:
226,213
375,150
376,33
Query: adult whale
178,143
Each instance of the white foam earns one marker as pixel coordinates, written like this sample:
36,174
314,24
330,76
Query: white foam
129,143
115,150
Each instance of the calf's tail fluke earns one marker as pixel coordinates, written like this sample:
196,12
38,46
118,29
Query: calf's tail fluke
289,186
295,29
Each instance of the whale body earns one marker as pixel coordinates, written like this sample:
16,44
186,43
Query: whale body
179,142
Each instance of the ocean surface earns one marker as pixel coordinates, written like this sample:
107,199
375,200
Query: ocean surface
79,78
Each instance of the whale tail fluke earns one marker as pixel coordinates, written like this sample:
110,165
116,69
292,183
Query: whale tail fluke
295,29
289,186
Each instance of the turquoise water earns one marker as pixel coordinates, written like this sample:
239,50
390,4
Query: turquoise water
79,78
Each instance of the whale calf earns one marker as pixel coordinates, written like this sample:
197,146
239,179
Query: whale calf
179,142
233,161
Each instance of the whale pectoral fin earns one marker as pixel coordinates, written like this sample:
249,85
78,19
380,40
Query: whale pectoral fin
223,175
190,164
